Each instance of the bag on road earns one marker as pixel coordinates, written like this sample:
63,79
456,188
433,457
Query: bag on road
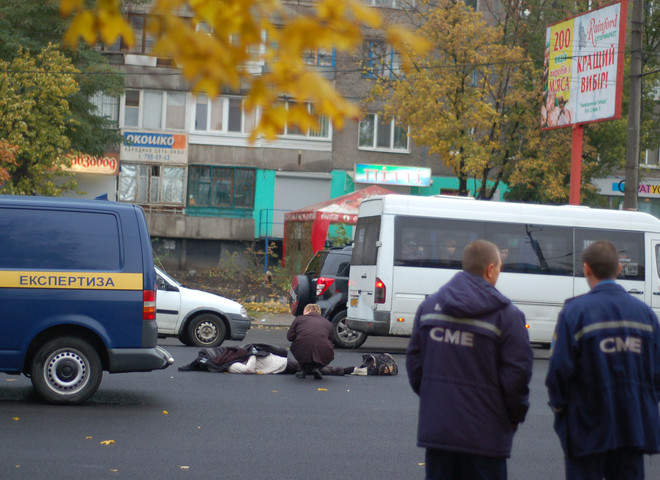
379,364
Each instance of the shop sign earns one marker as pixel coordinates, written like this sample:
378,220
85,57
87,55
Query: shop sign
90,164
154,147
392,175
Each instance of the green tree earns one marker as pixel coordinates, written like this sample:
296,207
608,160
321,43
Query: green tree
30,26
467,101
34,119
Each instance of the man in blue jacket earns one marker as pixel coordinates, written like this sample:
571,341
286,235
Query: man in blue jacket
470,362
604,376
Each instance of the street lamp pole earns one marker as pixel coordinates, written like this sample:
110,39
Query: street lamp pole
634,108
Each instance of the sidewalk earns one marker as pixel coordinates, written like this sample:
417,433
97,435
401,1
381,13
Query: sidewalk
272,320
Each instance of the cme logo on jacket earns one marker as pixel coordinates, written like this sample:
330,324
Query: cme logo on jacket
620,344
456,337
71,280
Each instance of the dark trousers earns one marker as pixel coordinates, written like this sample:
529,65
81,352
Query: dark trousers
624,464
308,367
441,465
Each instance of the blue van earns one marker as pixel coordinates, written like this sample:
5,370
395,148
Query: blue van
77,294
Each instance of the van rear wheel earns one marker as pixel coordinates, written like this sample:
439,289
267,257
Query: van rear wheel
66,370
344,337
206,331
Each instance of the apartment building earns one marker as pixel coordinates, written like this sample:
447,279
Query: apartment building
207,191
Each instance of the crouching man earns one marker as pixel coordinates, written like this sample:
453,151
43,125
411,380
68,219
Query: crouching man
310,335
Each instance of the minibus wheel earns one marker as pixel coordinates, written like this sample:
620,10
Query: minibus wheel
66,370
344,337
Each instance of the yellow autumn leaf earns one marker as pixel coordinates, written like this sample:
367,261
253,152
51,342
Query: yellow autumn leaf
68,6
107,442
165,412
82,26
368,16
16,419
322,389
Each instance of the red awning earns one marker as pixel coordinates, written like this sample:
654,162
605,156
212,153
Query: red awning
342,209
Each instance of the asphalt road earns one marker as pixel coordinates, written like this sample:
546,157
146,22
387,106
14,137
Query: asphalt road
199,425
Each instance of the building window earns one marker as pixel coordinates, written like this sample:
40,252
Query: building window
222,114
151,184
320,57
107,106
379,60
154,109
221,187
652,158
322,130
390,3
376,133
144,41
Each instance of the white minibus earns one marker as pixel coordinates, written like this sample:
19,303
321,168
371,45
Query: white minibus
407,247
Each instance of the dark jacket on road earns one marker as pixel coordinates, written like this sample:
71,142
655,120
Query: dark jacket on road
604,373
311,339
470,362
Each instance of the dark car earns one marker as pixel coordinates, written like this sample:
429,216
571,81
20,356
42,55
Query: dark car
325,282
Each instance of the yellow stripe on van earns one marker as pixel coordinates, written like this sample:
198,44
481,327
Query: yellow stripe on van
71,280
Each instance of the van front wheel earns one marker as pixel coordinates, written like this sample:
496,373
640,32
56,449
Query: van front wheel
206,331
66,370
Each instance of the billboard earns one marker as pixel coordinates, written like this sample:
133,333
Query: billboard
583,68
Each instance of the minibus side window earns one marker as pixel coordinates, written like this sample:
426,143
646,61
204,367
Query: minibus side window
527,248
630,246
367,233
433,242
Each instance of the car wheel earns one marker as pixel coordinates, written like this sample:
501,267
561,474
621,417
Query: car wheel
299,294
206,331
344,337
66,370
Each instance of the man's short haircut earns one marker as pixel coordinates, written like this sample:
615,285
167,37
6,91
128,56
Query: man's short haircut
603,259
478,255
312,308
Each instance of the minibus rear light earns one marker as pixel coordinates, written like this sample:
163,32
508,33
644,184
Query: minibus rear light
149,305
379,291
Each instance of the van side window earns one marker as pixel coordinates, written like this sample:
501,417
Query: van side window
630,246
367,233
527,248
433,242
59,240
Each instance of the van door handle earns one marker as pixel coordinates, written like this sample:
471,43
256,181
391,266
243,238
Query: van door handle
656,293
364,275
635,291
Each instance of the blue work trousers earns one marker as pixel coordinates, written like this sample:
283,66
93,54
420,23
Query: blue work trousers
442,465
624,464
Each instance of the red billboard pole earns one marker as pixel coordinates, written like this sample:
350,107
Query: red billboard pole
576,165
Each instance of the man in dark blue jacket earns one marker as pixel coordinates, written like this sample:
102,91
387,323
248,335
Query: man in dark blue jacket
604,376
470,362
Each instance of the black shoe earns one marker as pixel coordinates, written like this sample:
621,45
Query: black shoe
317,374
300,374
